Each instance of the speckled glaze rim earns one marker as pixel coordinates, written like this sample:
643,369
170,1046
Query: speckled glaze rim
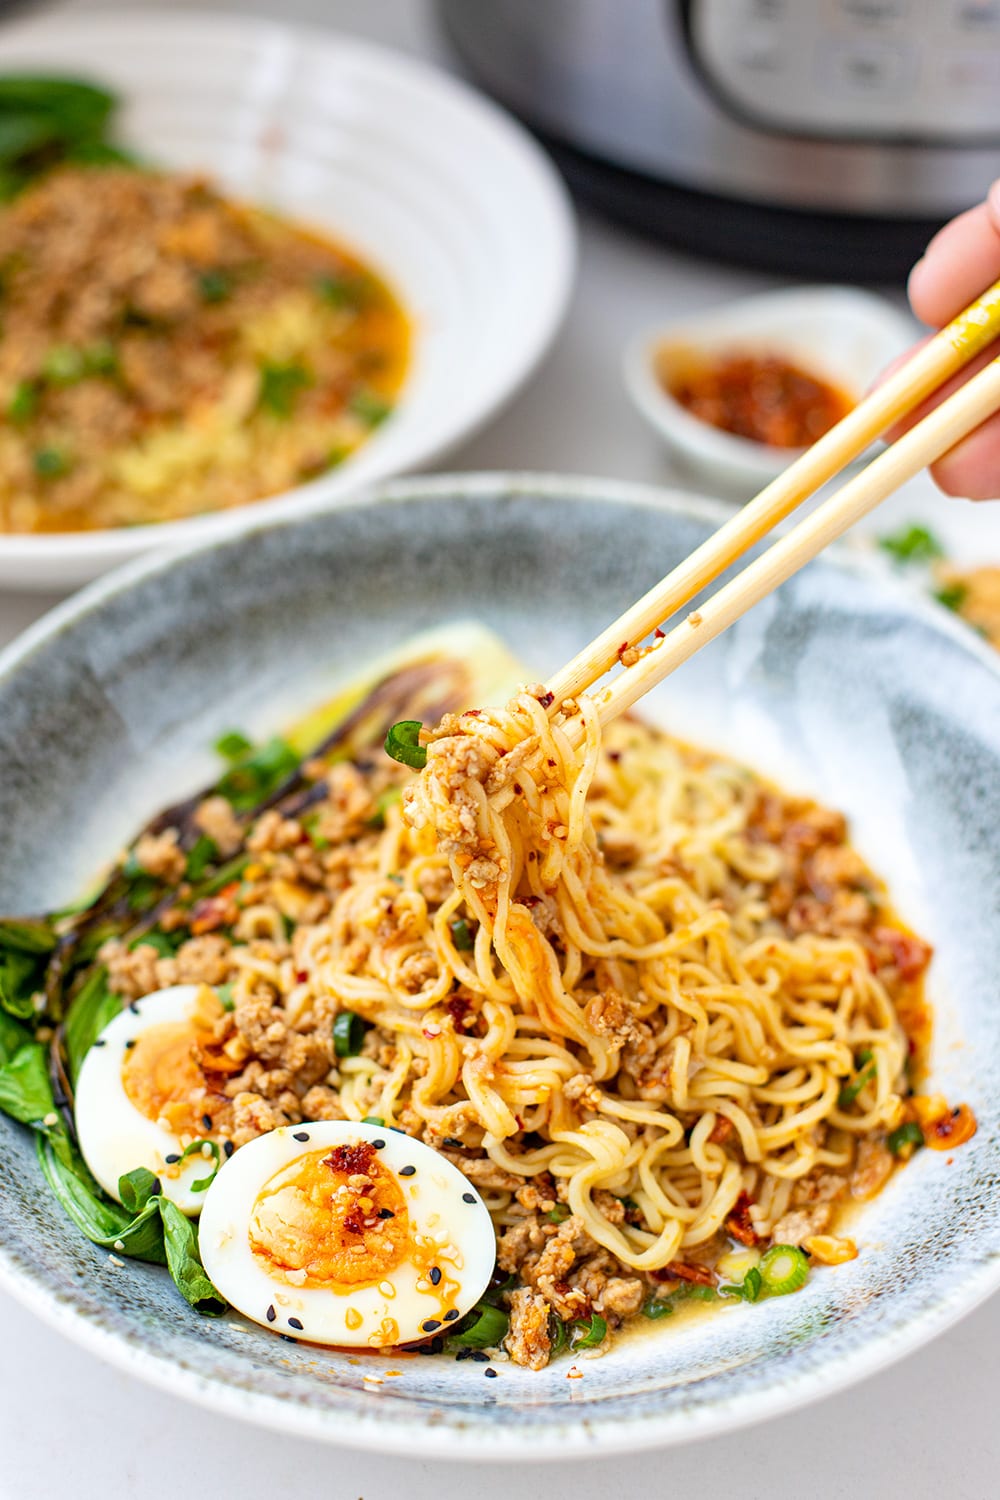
562,1439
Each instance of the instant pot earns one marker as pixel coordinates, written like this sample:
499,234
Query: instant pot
828,137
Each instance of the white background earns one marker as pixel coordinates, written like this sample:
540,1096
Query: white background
928,1429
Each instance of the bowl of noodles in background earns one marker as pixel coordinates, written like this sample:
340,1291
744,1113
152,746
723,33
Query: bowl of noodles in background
841,688
310,272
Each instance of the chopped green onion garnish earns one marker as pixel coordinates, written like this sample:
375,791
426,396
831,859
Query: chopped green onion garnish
903,1136
383,802
914,544
783,1269
655,1308
340,291
64,365
373,1120
559,1214
748,1289
100,358
371,409
318,840
281,386
225,994
588,1333
215,285
558,1337
204,1182
23,403
489,1328
51,463
348,1033
850,1091
461,936
403,744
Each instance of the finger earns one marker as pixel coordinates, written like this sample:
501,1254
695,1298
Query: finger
972,470
960,262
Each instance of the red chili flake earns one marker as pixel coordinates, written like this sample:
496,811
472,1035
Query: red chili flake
354,1220
547,700
720,1132
614,755
301,975
530,901
518,788
351,1160
739,1223
659,634
458,1008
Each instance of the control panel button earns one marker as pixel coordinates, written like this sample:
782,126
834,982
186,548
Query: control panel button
975,17
873,15
859,68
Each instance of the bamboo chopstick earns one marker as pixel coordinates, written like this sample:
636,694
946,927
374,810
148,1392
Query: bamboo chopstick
933,436
928,369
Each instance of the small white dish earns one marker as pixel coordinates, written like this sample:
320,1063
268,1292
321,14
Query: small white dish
838,334
434,186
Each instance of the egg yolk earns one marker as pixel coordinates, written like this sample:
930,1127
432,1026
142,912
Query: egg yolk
163,1079
333,1219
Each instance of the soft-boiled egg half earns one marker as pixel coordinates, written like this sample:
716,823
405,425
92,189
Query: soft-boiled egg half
346,1234
141,1098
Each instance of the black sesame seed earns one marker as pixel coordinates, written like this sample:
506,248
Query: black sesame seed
129,1044
490,1374
463,1354
228,1148
379,1145
287,1338
134,1008
100,1042
301,1135
468,1197
480,1356
206,1121
271,1314
455,1145
173,1157
386,1213
435,1274
157,1187
451,1315
430,1325
407,1171
294,1323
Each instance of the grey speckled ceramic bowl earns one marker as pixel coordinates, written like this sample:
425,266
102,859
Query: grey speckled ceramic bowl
841,687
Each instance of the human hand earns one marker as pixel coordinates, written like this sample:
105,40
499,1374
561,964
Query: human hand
960,262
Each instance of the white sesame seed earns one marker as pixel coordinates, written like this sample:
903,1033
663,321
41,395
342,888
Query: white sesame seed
206,1149
115,1261
50,1119
119,1245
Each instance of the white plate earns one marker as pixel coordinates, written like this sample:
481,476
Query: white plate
445,195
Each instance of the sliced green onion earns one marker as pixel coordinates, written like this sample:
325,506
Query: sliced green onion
588,1333
215,285
373,1120
23,402
383,802
558,1336
748,1290
559,1214
783,1269
656,1308
909,1134
281,386
225,994
50,463
369,408
487,1331
318,840
403,744
204,1182
64,365
461,936
348,1033
851,1090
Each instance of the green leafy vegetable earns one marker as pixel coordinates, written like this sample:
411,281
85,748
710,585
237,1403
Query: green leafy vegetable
904,1137
783,1269
913,544
749,1289
403,744
559,1214
257,772
25,1089
215,285
487,1327
204,852
23,402
184,1263
233,746
51,463
202,1184
280,388
46,121
90,1011
348,1033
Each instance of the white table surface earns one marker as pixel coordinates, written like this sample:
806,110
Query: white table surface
927,1428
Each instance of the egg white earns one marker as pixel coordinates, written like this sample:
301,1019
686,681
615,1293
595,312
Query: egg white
441,1203
114,1136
